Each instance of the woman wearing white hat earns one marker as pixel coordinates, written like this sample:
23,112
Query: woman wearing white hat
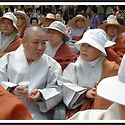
81,78
9,40
23,21
113,89
56,46
114,33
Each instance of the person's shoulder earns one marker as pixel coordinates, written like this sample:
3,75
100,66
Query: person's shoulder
50,59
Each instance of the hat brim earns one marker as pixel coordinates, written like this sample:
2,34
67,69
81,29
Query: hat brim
91,42
112,89
65,37
72,22
13,23
43,19
121,28
25,16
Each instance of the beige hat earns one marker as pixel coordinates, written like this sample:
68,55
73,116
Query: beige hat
96,38
121,28
22,13
10,16
113,88
48,16
72,22
59,26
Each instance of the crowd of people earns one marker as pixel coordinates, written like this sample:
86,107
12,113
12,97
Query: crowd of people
69,54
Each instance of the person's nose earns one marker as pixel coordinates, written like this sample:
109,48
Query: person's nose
39,46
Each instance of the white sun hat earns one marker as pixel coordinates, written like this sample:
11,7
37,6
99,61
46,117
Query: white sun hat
10,16
96,38
113,88
22,13
58,26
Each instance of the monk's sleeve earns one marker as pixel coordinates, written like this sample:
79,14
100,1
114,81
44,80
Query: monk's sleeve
71,91
4,61
52,93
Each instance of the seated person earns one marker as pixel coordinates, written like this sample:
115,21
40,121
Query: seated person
23,21
29,63
114,33
9,40
80,79
113,89
79,24
56,45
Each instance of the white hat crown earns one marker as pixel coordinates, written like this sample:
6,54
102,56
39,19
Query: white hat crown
12,17
94,37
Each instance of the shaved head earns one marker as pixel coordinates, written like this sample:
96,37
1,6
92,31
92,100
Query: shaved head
33,30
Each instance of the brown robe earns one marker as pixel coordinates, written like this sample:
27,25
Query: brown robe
13,45
11,108
114,53
109,69
65,55
22,31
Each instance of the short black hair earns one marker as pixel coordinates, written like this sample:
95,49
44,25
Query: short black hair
94,9
33,18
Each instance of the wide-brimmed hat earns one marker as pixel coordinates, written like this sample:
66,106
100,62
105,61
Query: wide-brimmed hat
48,16
72,22
109,17
121,28
96,38
22,13
58,26
113,88
10,16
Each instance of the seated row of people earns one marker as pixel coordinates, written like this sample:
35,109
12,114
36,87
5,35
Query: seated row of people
54,71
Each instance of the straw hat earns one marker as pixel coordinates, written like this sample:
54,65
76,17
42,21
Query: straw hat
121,28
48,16
113,88
72,22
58,26
22,13
96,38
10,16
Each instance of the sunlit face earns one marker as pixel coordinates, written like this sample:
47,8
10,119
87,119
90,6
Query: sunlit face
88,52
34,23
54,37
112,30
80,23
34,46
7,26
20,20
48,22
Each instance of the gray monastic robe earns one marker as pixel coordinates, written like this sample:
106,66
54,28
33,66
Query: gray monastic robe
42,74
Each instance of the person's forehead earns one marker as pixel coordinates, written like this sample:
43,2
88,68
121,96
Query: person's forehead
6,19
18,15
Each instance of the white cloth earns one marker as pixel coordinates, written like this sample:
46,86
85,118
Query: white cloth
75,76
42,74
112,113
